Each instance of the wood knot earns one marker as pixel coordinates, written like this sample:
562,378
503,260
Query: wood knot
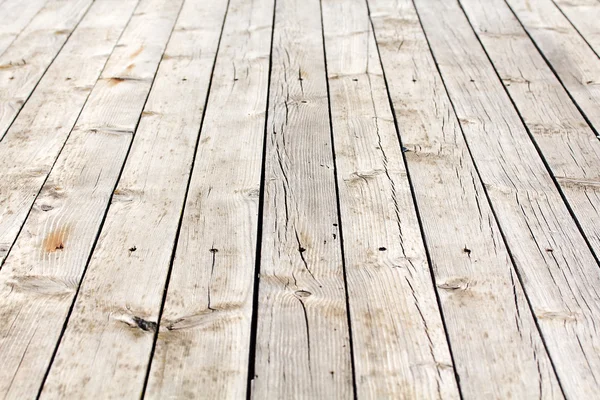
147,326
302,293
454,284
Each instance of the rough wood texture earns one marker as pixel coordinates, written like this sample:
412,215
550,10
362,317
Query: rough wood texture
354,203
576,65
15,16
400,348
560,275
109,338
568,144
494,340
203,343
585,17
41,275
302,318
37,136
24,63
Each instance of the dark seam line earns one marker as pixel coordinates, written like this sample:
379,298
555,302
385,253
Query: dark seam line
26,25
583,114
259,228
339,215
101,226
181,214
575,27
532,138
3,134
416,205
512,259
63,145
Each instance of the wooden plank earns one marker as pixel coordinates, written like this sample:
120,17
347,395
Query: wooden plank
303,339
203,344
573,61
562,134
559,272
40,276
24,63
110,334
35,139
400,347
14,17
584,15
497,350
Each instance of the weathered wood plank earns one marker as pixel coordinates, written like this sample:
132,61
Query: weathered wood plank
110,334
568,144
400,347
24,63
14,17
303,345
36,137
574,62
497,350
585,17
203,343
560,275
41,275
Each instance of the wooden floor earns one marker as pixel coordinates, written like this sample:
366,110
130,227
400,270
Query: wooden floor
312,199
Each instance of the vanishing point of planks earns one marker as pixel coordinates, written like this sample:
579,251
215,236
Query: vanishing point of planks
312,199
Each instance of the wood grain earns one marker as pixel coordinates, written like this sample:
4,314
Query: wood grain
584,15
42,273
302,317
573,61
15,16
559,272
497,350
107,345
567,143
24,63
37,136
203,343
400,348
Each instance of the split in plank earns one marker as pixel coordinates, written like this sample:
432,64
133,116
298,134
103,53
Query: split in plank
400,347
302,316
108,341
559,272
573,61
205,328
560,132
485,309
42,273
39,133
